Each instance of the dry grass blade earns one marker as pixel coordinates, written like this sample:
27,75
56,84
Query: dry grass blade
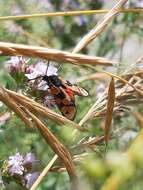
57,147
51,54
41,111
5,98
109,112
100,26
92,141
44,173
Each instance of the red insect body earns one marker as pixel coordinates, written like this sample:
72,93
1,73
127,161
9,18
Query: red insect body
64,93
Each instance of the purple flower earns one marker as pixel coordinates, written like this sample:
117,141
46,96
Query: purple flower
40,69
16,170
29,159
19,167
17,159
30,178
29,69
17,64
15,164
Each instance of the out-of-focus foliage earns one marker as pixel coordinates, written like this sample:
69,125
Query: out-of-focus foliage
122,41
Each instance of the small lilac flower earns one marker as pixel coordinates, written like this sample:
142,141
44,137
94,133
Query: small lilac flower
17,64
16,170
15,164
40,69
29,69
30,178
17,159
29,159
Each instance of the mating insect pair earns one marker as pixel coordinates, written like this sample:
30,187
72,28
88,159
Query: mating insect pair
63,93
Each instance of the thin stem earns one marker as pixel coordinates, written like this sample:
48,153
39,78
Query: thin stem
69,13
44,173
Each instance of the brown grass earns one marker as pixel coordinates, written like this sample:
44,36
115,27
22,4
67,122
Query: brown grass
109,112
99,28
59,56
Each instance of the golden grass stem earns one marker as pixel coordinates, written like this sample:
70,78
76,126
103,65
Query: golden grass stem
12,49
57,147
68,13
7,100
44,173
99,28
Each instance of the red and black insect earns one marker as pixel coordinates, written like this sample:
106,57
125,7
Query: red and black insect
63,93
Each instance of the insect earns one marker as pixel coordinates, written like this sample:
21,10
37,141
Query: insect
63,93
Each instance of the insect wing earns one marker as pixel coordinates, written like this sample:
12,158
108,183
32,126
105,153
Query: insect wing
77,90
65,101
67,105
68,111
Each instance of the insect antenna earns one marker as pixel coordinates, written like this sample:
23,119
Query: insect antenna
47,67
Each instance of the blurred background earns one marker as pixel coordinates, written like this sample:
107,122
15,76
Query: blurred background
121,42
